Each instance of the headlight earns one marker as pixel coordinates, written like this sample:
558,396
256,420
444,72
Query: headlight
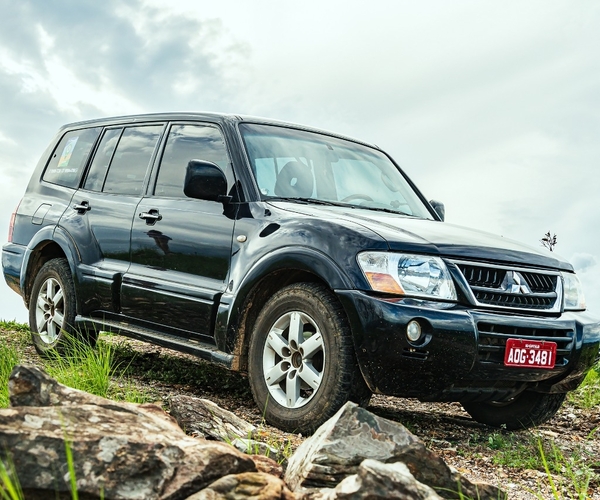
574,299
406,274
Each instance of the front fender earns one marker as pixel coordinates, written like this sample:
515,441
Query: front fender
310,260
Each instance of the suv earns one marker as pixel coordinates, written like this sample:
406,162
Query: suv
306,259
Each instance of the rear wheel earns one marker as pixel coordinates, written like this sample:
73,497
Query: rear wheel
302,366
52,308
528,409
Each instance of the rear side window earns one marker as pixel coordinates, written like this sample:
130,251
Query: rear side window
122,159
70,157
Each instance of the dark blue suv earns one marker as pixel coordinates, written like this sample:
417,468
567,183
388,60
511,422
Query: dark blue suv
306,259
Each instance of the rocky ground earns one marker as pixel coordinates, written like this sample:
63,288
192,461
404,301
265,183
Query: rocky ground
510,459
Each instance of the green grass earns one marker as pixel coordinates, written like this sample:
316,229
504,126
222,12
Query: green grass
588,394
10,354
575,479
9,357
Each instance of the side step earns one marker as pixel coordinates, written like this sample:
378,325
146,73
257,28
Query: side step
209,352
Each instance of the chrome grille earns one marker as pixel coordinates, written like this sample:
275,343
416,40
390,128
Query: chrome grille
492,341
498,286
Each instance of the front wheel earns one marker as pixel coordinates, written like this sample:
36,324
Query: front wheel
528,409
302,366
52,308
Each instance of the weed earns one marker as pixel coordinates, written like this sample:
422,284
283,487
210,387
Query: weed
9,357
10,488
575,479
588,394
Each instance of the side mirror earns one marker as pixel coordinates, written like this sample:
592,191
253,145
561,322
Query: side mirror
204,180
439,208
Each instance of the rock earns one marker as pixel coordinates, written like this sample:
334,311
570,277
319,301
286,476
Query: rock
267,465
251,485
204,418
352,435
377,481
119,450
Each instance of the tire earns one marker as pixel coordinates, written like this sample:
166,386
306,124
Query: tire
528,409
302,366
52,309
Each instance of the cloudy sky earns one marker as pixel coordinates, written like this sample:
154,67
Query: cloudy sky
492,107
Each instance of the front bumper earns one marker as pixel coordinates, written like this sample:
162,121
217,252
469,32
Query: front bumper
460,357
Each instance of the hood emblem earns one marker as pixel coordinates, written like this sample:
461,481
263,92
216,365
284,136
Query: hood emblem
514,282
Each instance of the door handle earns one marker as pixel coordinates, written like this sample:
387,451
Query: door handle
151,217
82,207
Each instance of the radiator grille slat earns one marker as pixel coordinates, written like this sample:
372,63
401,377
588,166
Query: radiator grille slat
492,341
516,289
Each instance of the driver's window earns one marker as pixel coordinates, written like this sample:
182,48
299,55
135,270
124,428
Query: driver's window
185,143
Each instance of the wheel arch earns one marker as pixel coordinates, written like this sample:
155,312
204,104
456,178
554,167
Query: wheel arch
273,272
48,244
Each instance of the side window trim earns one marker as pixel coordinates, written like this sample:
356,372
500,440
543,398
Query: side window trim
93,155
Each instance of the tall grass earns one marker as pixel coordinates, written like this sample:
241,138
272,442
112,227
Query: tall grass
83,367
9,357
588,394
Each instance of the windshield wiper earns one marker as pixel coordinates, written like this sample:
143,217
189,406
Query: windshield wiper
314,201
387,210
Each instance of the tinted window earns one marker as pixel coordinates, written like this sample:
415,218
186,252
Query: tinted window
99,167
185,143
131,159
70,156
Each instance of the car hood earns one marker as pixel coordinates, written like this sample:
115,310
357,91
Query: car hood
410,234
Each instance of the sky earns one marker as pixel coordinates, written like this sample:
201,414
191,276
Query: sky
491,107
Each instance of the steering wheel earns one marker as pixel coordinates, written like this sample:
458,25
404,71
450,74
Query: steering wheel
356,196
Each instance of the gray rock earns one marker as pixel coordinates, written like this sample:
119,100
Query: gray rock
341,444
204,418
378,481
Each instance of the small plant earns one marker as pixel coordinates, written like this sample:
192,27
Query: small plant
549,241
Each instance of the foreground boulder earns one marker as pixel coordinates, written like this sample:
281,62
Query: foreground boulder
119,450
353,434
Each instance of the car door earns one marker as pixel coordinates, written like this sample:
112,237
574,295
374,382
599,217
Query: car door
181,247
99,220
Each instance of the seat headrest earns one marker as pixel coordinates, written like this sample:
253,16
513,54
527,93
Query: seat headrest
294,179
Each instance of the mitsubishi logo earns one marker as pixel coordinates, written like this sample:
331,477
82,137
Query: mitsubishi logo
514,282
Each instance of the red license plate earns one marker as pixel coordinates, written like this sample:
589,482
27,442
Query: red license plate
530,353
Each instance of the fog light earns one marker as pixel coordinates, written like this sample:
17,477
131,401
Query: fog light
413,331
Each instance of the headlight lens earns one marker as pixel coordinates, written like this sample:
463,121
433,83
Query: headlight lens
406,274
574,299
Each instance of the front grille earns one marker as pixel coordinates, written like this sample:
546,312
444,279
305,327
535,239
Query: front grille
492,341
504,287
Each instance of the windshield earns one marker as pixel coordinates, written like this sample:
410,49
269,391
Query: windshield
303,166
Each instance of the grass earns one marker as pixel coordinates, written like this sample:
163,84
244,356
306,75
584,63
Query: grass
9,357
588,394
